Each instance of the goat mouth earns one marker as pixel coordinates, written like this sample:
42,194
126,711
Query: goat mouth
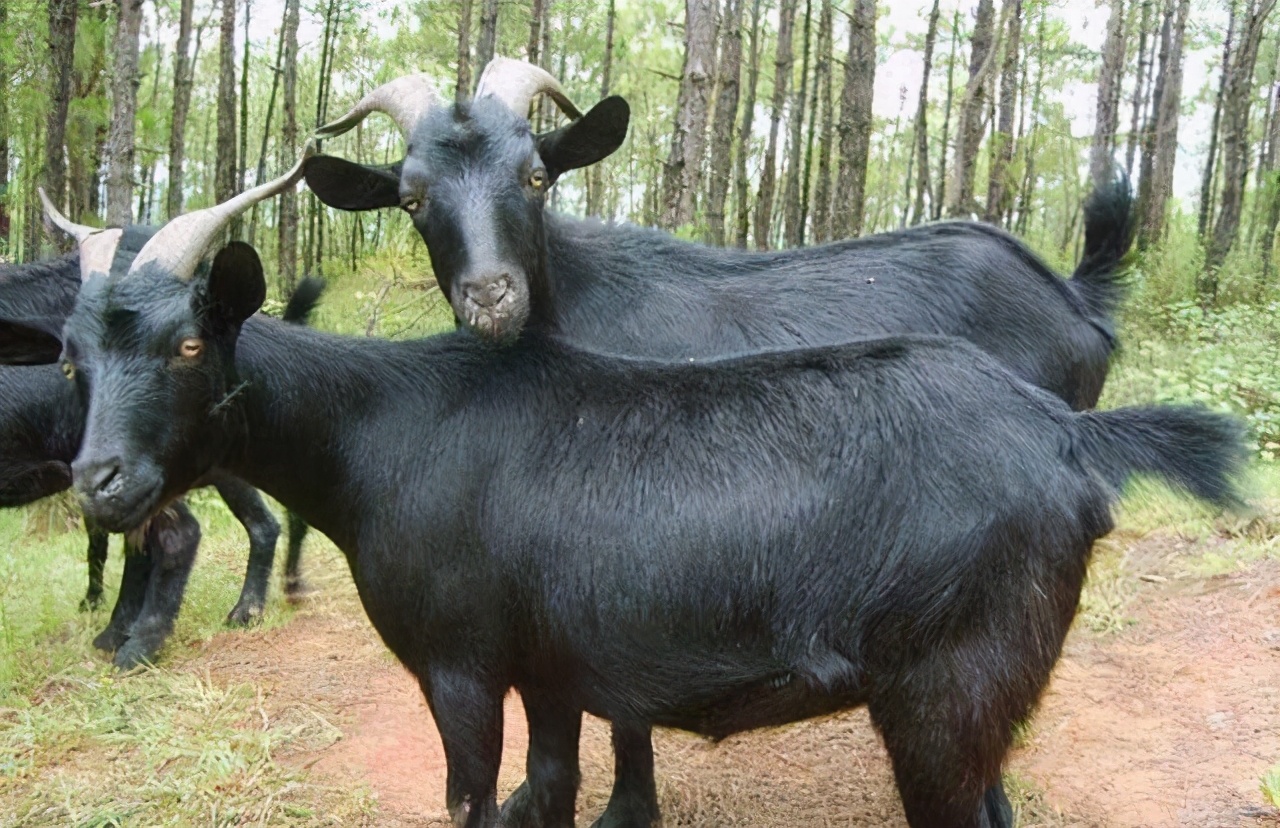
124,509
499,321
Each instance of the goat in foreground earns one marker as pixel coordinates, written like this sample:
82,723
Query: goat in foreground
714,546
475,184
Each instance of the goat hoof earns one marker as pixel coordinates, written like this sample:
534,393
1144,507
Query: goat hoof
245,614
91,603
296,590
110,640
616,817
135,653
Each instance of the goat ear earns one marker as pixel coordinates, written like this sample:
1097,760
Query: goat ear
588,140
346,185
34,341
237,286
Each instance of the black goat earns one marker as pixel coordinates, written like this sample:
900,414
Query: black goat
713,546
475,184
41,423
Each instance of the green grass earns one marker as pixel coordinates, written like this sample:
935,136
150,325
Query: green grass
1271,786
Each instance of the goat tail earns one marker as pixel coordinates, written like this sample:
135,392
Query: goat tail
1109,227
1190,448
303,301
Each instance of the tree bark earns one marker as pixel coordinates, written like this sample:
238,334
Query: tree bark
681,172
1033,133
488,34
1167,101
124,109
781,82
969,126
793,216
742,185
62,41
260,173
182,70
595,174
1140,91
288,228
923,186
1270,186
855,120
730,69
4,136
242,159
1206,180
1237,101
537,19
946,118
999,193
463,89
225,178
822,60
823,84
1107,114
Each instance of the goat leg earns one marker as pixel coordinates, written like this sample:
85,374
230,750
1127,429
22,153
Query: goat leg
249,508
97,557
173,537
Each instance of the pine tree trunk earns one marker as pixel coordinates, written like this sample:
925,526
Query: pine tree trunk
1140,91
823,83
999,193
855,121
946,118
488,34
225,177
242,158
1237,100
62,41
124,109
314,256
1206,180
463,89
681,172
288,228
923,186
537,18
741,183
1167,102
1107,113
822,55
781,82
793,217
595,174
1029,163
260,173
720,168
969,126
182,69
1270,185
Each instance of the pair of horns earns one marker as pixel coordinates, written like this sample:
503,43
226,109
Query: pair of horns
408,99
179,246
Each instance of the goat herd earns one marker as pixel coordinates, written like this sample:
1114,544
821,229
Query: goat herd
654,481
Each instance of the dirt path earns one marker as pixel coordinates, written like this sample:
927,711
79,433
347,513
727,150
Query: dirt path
1170,722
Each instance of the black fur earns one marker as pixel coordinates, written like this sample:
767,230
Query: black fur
713,545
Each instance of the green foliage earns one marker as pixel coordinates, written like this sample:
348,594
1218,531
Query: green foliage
1271,786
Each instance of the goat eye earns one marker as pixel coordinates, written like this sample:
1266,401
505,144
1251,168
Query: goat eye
68,370
538,179
411,205
191,348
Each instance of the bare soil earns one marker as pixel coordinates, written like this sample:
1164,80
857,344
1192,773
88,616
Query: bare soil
1169,722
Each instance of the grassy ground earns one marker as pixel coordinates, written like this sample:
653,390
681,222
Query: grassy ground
82,745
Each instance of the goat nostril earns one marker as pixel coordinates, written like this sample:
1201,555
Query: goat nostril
101,477
490,292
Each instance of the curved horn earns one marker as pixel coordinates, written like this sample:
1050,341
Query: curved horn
97,246
180,245
517,83
53,216
405,99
